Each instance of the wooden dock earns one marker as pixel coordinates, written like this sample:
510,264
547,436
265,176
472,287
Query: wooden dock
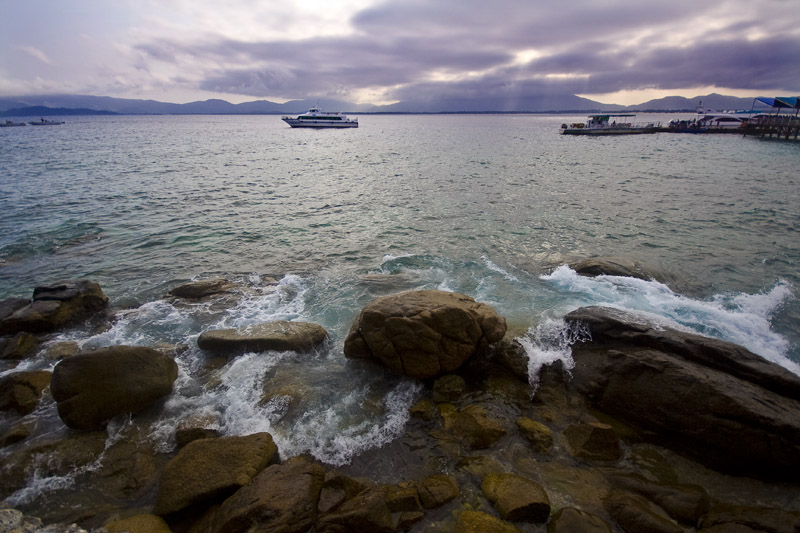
784,127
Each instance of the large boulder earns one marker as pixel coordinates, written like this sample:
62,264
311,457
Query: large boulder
55,306
707,398
617,266
93,387
423,334
282,498
209,470
195,290
279,335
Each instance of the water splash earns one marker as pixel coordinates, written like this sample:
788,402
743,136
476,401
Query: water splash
740,318
549,342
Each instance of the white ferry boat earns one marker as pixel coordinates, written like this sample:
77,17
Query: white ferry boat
317,118
610,124
43,122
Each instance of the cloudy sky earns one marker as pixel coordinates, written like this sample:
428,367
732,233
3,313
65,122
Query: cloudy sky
382,51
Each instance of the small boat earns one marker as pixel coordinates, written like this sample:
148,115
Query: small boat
43,122
610,124
317,118
10,124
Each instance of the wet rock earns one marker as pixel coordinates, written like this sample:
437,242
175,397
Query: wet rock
280,335
637,515
571,520
478,522
195,428
367,511
594,441
336,489
203,288
49,458
510,353
448,388
617,266
424,409
473,426
516,498
282,498
18,347
729,517
423,334
9,306
61,350
539,435
16,433
707,398
436,490
56,306
21,391
127,469
211,469
143,523
93,387
684,503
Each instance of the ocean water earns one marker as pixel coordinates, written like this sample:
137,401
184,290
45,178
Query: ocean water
314,224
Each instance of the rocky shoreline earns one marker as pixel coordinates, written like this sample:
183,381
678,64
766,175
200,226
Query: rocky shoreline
653,430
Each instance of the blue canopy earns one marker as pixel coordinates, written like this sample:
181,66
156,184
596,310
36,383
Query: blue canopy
781,101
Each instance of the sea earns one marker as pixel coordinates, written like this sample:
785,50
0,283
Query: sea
312,225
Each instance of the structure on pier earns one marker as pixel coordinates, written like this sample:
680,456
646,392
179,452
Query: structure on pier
780,122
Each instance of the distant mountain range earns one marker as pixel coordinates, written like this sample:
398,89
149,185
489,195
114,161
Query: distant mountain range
61,104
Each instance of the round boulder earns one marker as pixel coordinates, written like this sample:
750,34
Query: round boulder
423,334
93,387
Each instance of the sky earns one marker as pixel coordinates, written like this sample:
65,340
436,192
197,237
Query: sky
384,51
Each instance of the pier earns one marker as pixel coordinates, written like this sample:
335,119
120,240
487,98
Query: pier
777,124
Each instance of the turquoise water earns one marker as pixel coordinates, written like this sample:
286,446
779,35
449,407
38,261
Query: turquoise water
491,206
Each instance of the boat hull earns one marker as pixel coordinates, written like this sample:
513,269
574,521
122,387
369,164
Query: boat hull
295,123
607,131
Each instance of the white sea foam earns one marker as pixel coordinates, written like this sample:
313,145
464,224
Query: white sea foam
744,319
547,343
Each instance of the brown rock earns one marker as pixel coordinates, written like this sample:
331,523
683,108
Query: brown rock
516,498
472,425
618,266
56,306
210,469
759,519
539,435
594,441
202,288
143,523
636,515
571,520
93,387
21,391
280,335
423,334
437,490
448,388
478,522
282,498
684,503
18,347
367,511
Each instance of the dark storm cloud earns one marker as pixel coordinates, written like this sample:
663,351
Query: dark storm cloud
592,47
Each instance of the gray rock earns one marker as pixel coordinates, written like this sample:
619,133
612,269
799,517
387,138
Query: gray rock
201,289
707,398
21,391
423,334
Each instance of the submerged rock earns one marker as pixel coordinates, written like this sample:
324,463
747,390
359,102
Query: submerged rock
56,306
423,334
636,514
206,470
93,387
143,523
279,335
710,399
594,441
516,498
478,522
572,520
